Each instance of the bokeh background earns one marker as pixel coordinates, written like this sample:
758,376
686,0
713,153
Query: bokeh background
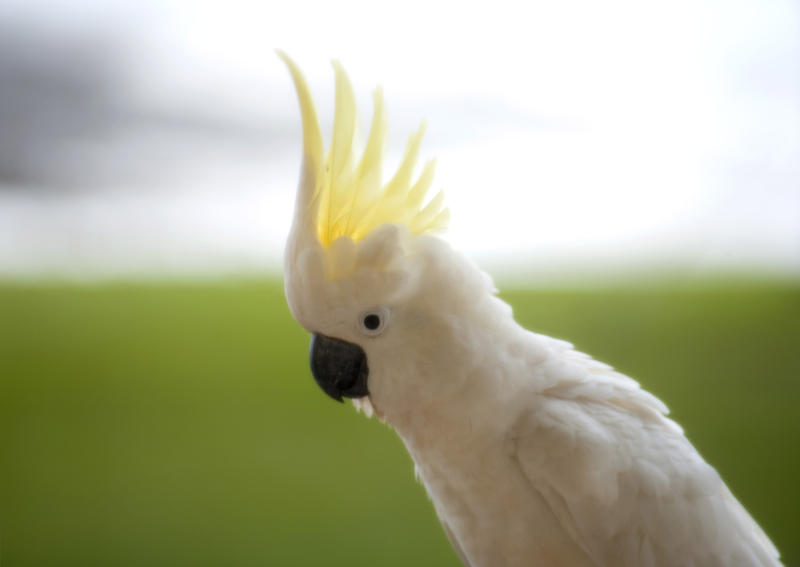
629,172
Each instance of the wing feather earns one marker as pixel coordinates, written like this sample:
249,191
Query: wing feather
623,480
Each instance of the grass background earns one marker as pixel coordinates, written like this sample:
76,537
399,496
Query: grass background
177,424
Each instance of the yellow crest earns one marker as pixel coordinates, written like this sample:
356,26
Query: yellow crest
348,196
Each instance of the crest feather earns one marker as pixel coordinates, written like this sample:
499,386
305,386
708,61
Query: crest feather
348,196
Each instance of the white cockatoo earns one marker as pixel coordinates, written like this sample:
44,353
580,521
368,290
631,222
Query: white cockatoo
532,453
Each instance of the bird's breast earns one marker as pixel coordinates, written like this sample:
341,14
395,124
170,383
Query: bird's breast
496,516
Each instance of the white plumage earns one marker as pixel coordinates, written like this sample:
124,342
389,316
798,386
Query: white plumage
532,453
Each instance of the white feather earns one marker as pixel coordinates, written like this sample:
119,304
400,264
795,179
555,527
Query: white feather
572,463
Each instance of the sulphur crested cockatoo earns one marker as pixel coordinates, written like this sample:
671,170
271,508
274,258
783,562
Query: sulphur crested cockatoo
532,453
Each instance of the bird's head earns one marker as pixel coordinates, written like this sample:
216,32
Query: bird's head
381,295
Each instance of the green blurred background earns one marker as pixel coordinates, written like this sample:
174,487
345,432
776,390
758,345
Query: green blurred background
177,424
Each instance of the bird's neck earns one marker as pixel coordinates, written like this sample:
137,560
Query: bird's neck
486,371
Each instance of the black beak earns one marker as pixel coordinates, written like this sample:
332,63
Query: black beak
340,368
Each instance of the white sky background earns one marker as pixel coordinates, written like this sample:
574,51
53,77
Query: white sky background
570,136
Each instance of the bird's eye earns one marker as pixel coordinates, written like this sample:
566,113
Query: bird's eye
373,322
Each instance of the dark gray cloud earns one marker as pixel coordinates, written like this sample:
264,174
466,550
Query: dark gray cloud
54,92
66,121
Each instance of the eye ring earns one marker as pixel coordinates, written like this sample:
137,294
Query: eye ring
373,322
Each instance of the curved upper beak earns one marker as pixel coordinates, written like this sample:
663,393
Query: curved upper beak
339,367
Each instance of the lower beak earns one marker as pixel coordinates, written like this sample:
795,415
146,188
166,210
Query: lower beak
339,367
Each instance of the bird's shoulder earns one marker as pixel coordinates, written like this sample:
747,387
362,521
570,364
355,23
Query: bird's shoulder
621,477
